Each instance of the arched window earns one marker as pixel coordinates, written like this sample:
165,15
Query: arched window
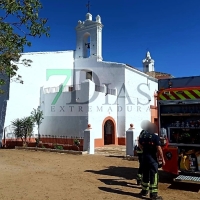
86,45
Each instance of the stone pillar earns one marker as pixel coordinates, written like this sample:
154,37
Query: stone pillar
129,141
88,141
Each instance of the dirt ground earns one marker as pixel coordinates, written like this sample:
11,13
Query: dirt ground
31,175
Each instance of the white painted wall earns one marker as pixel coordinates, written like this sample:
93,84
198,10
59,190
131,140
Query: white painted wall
119,74
73,123
72,119
64,118
105,73
98,111
25,97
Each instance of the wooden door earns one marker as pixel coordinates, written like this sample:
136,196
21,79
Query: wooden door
108,132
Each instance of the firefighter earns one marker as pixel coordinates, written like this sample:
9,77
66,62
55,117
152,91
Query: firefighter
150,144
144,126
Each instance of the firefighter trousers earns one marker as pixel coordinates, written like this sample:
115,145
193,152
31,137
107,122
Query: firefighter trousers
150,178
140,170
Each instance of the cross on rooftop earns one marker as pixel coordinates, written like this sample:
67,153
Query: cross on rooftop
88,5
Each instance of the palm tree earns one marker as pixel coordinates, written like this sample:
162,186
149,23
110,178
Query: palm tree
18,128
23,128
28,125
37,116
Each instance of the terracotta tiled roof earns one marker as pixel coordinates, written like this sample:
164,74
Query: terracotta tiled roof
159,75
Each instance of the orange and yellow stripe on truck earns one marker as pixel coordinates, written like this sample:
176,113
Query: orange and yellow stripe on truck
189,94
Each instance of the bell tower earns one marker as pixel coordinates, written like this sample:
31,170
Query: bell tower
89,38
148,63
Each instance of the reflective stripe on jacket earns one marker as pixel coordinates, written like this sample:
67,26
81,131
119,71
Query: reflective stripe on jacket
138,150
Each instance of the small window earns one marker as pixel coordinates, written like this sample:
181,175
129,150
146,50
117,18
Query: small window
89,75
147,66
70,88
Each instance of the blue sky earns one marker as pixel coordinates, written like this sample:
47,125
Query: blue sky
170,29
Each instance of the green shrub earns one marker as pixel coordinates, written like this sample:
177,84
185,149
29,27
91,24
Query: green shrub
76,142
59,147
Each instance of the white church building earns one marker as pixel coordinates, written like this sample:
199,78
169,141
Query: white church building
77,88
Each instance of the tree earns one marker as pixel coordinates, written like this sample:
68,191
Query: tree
37,116
27,127
23,128
17,128
20,22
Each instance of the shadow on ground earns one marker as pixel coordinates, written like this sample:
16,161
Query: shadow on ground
119,182
116,156
185,187
119,191
128,173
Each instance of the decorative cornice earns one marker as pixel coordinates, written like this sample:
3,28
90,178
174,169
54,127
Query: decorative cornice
86,27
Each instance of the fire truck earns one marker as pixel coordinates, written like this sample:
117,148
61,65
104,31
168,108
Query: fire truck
178,101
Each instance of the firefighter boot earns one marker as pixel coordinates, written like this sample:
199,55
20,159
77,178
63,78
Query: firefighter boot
155,197
144,193
139,179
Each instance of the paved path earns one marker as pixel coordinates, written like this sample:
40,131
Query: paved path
111,150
